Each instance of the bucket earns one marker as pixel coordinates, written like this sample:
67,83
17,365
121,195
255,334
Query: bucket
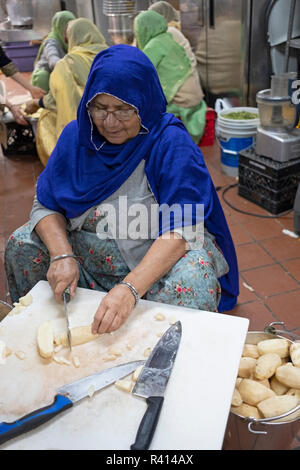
275,433
235,135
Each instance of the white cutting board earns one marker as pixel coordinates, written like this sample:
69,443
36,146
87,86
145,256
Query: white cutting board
197,398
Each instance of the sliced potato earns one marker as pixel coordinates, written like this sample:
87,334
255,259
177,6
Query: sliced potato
123,384
79,335
45,340
26,300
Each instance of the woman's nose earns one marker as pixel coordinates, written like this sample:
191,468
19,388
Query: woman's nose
110,119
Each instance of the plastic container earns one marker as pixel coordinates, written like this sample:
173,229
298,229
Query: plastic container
276,113
22,55
235,135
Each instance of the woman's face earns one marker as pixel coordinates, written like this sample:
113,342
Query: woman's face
120,124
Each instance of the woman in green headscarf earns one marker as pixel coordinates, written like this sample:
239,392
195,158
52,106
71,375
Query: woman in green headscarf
174,67
52,49
67,82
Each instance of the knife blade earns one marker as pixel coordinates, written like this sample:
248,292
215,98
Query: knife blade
65,397
152,382
67,298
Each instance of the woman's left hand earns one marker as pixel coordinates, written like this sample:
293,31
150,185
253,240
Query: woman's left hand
18,115
32,107
113,310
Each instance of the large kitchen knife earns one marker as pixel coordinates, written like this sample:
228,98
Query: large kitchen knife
65,397
152,383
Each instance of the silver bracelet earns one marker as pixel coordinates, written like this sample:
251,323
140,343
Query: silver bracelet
56,258
133,291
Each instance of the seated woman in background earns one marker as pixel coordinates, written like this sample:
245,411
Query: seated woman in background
175,63
67,83
124,149
52,49
170,14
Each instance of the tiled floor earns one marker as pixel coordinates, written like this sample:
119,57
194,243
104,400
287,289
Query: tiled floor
269,260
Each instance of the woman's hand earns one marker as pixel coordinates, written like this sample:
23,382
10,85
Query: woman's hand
61,274
18,115
36,92
32,106
113,310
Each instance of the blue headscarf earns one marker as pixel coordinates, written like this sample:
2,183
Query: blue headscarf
84,169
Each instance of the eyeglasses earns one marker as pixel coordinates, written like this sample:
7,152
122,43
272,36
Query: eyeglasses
119,114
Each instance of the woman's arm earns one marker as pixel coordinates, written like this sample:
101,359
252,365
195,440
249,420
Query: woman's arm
35,91
117,305
62,273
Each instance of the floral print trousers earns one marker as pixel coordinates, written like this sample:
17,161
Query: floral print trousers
192,282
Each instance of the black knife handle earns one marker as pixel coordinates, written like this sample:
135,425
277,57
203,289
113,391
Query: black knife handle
34,419
148,424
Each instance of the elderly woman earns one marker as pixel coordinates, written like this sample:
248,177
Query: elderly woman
67,83
123,156
52,49
175,63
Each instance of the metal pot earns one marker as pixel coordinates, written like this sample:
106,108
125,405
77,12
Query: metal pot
20,12
267,433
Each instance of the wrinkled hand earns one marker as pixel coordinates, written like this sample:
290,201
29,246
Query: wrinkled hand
37,92
61,274
18,115
32,107
113,310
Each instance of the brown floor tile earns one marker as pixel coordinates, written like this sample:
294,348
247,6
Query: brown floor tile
293,267
270,280
282,247
260,229
258,314
286,308
239,235
251,256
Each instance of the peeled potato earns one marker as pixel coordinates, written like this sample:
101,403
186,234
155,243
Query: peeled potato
246,367
45,340
253,392
247,411
236,398
266,365
250,350
277,405
279,346
79,335
26,300
278,387
289,375
295,354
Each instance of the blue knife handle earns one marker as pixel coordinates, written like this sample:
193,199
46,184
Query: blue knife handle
34,419
148,424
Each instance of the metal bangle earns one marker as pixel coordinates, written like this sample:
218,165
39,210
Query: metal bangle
133,291
56,258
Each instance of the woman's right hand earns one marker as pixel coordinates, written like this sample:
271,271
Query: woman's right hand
61,274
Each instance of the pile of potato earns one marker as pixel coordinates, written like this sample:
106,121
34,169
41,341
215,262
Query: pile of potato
268,382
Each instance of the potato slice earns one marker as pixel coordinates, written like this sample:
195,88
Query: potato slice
125,385
45,340
136,373
79,335
26,300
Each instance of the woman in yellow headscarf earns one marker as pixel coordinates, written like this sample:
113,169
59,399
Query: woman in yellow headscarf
67,83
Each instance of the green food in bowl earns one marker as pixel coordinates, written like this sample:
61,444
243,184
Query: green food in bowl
240,115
